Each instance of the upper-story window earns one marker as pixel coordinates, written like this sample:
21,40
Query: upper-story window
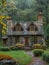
32,27
17,27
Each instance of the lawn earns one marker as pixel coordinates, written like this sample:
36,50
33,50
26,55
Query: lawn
21,56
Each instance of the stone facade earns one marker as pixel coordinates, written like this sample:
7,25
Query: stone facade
28,33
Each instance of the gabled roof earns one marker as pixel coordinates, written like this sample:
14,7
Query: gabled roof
17,24
25,25
33,25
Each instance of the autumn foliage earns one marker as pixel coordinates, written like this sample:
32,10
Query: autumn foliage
5,57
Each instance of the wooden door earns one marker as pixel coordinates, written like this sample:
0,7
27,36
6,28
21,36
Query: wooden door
26,41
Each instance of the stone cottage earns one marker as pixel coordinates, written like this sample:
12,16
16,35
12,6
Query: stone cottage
27,33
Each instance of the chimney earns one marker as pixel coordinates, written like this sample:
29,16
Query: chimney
9,24
40,22
9,19
40,17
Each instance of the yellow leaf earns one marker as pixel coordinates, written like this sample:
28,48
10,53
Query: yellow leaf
1,17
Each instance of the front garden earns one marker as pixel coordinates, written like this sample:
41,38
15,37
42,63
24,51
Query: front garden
18,54
41,51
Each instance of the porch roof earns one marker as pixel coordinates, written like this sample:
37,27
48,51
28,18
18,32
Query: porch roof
4,37
22,33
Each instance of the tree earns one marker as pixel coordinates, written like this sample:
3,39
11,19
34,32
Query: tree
43,5
2,16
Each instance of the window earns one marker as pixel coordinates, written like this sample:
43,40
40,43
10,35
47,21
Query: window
11,39
32,40
40,40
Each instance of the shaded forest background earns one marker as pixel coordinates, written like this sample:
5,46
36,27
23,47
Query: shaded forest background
25,10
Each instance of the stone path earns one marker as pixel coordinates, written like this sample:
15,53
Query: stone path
30,53
36,60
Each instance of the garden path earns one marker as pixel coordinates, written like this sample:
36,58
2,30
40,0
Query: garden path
36,60
30,53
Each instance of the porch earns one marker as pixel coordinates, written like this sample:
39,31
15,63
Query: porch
26,40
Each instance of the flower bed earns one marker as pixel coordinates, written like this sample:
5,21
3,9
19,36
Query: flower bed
20,56
5,57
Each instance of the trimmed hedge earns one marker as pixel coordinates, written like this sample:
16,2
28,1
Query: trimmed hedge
46,56
39,46
43,46
18,46
15,48
4,48
38,52
36,46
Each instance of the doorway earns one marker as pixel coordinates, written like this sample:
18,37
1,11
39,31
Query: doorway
26,41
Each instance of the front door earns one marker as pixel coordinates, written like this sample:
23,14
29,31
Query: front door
26,41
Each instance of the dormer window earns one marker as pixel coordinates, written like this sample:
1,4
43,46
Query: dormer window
17,27
32,27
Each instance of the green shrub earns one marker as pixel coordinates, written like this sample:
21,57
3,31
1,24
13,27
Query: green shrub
44,46
46,56
16,48
38,52
36,46
4,48
20,45
39,46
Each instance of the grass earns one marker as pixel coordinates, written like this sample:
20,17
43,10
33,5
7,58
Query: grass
21,56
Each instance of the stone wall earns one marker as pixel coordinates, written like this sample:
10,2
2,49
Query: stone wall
11,41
